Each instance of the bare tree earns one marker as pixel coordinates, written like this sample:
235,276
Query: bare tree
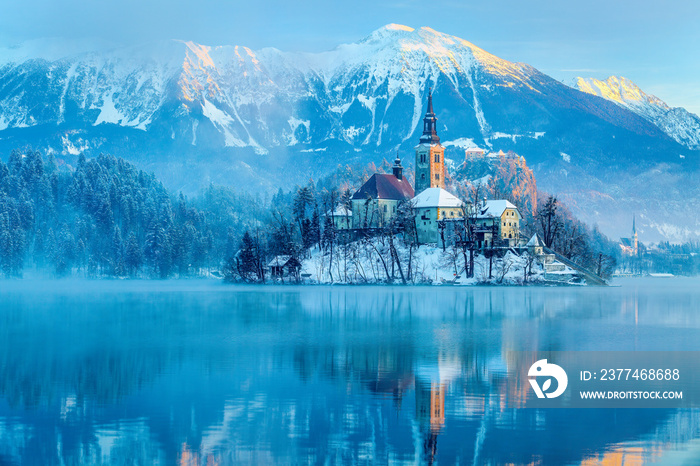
549,222
527,267
503,267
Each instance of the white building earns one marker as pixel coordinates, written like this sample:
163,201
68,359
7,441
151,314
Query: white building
473,152
342,218
431,205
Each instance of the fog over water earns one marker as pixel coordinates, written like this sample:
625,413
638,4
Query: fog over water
201,372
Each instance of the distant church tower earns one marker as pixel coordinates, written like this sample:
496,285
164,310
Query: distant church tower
430,155
635,243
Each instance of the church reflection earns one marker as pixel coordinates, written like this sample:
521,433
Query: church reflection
339,376
431,383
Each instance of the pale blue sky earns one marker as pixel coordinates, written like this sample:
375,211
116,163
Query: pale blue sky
656,44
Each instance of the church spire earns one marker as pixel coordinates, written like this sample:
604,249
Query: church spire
430,101
634,228
430,123
397,169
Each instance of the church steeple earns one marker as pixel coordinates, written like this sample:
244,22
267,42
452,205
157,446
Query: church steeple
430,123
397,169
430,155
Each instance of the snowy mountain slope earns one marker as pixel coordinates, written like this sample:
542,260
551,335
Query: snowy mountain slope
261,119
266,99
677,122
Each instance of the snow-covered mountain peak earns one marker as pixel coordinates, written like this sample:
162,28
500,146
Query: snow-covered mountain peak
618,89
678,123
388,32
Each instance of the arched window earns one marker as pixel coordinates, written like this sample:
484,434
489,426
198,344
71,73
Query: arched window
422,176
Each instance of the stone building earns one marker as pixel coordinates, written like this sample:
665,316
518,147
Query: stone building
502,217
431,206
499,216
430,155
376,201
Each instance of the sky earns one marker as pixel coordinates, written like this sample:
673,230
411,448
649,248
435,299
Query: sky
655,44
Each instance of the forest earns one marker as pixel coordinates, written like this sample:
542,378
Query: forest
105,218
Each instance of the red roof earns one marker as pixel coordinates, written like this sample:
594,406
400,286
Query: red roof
381,186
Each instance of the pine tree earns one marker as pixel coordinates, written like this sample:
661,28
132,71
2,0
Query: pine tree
116,253
247,258
133,256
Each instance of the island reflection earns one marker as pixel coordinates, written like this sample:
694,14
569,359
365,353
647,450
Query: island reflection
154,373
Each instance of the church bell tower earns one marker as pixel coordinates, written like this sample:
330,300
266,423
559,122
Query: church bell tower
430,155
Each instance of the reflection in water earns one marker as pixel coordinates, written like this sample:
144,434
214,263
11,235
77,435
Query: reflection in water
201,373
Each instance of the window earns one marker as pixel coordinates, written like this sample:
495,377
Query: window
384,207
437,176
437,158
422,176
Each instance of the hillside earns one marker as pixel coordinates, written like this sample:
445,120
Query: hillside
257,120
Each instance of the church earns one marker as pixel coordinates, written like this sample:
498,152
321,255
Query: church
376,202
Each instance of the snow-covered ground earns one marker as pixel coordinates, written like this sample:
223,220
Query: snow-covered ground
367,261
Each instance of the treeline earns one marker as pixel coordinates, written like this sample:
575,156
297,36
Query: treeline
573,239
678,259
510,178
297,223
106,218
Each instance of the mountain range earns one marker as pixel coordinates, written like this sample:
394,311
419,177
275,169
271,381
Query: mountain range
259,120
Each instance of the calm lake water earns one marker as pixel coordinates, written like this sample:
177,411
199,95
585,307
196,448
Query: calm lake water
198,372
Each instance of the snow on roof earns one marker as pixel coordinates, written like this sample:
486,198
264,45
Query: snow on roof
341,211
474,150
495,208
436,197
534,242
279,261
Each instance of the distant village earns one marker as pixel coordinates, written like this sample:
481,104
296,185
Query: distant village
662,259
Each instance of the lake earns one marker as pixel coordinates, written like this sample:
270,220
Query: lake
200,372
